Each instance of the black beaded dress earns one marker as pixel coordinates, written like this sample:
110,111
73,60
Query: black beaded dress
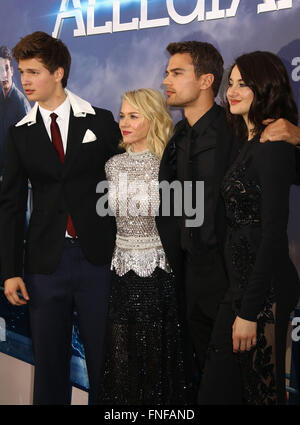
264,285
144,361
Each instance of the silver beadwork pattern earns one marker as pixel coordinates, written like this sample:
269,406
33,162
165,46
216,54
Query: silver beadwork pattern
134,199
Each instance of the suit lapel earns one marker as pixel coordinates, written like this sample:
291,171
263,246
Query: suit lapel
76,131
168,167
42,145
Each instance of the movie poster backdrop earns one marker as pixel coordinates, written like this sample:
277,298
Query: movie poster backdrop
119,45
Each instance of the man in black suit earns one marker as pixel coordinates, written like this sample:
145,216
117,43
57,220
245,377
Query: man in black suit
202,149
199,151
61,146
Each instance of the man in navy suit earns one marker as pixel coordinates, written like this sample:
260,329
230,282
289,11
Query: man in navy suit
61,146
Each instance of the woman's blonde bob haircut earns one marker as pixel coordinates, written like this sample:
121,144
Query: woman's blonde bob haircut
152,105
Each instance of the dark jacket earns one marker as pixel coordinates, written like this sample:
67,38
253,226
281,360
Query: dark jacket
58,189
210,276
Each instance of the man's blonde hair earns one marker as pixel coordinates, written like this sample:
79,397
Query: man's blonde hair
152,105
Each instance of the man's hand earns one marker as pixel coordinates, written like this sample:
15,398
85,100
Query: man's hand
243,334
280,129
11,286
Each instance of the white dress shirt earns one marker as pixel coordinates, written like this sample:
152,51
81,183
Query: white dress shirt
63,117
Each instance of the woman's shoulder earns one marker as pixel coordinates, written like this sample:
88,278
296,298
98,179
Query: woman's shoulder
277,147
115,161
279,150
270,157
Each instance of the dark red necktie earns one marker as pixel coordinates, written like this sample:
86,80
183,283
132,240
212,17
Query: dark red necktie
57,143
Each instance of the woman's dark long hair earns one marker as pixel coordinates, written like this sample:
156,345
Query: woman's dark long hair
267,77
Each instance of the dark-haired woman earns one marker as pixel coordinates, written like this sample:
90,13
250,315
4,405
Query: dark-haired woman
246,359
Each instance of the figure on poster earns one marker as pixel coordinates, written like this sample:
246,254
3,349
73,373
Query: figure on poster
246,364
202,148
13,103
61,146
147,351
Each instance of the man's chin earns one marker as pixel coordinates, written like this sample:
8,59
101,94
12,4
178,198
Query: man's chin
173,103
31,97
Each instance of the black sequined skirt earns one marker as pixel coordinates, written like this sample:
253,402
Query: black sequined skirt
144,361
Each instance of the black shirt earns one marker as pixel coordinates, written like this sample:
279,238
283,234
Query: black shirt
196,162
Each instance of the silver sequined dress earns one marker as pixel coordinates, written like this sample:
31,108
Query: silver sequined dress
134,199
144,359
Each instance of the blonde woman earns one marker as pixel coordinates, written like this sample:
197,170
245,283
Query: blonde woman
144,357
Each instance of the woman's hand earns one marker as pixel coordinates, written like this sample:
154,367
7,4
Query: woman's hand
243,334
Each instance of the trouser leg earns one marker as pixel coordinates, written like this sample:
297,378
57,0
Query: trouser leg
200,327
221,382
91,303
50,312
76,284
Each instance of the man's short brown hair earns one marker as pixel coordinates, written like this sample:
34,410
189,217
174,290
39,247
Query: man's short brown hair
53,53
206,59
5,53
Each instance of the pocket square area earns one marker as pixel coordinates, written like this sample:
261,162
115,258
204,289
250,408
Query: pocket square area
89,136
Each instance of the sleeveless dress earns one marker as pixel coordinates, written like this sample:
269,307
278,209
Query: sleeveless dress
144,362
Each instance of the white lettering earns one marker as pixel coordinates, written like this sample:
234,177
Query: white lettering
296,71
90,21
296,330
116,415
198,211
285,4
171,414
138,202
106,203
270,5
216,12
231,12
179,19
127,26
151,23
115,25
64,14
123,194
267,6
2,330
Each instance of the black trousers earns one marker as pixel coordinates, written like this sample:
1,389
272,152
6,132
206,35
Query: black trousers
76,285
221,382
206,284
